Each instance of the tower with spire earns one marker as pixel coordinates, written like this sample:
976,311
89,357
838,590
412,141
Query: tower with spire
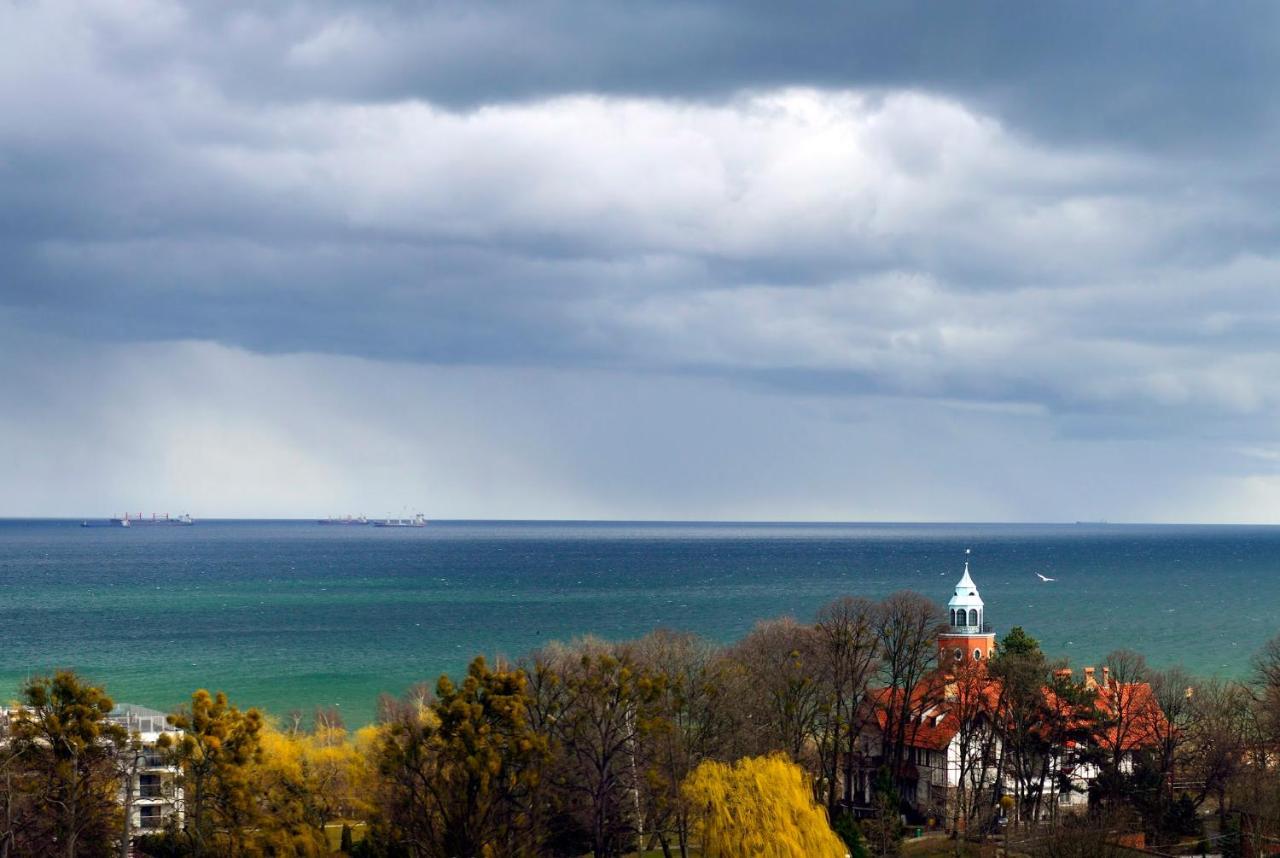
968,636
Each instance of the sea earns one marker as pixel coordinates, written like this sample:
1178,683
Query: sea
290,615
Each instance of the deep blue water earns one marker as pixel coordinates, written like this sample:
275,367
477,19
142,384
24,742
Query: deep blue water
289,615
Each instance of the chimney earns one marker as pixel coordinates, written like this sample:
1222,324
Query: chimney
1089,681
1063,673
1106,676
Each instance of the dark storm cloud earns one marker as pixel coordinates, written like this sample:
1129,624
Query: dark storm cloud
1149,71
1061,206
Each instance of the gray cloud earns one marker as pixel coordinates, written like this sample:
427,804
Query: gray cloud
224,432
1145,71
1054,215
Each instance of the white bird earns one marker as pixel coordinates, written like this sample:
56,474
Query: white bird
1043,578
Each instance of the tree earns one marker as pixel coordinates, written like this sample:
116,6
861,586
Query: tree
759,807
1172,692
1045,723
779,660
217,751
973,701
127,763
294,802
16,811
1266,689
692,706
1217,740
1128,721
455,769
1074,837
846,828
68,747
846,644
884,827
311,779
598,705
907,627
1018,642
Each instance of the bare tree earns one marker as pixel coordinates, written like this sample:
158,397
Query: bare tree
605,704
1076,837
846,638
907,626
1173,691
1266,689
974,702
780,663
1129,720
1217,739
692,702
1024,709
128,760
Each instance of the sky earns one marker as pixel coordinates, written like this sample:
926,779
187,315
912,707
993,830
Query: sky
673,260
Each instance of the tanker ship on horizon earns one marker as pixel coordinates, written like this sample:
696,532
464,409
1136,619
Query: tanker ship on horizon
157,519
347,519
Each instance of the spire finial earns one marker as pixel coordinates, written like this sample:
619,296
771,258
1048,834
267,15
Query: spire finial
966,560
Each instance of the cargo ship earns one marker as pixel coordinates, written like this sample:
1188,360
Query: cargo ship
418,520
157,519
349,519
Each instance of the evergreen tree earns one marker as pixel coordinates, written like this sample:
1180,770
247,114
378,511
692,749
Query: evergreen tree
846,828
1018,642
67,745
216,753
455,769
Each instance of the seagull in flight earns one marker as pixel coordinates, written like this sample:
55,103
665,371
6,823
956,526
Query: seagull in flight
1043,578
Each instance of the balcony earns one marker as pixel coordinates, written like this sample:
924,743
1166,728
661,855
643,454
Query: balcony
984,629
151,821
151,791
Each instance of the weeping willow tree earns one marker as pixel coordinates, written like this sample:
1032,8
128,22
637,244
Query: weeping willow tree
760,807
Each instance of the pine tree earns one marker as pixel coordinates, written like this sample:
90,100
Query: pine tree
218,748
68,746
455,769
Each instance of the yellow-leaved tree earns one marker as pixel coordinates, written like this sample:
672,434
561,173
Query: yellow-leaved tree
309,781
759,807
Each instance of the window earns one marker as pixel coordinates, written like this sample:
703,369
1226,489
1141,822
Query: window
977,655
150,786
953,617
973,616
959,653
149,817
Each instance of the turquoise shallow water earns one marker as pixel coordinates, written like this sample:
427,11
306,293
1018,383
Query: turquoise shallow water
289,615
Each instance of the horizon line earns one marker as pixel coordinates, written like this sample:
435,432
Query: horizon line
708,521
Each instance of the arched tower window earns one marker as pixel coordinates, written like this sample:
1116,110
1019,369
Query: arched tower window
953,617
973,616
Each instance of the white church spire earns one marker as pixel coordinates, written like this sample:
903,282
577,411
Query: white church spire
965,607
